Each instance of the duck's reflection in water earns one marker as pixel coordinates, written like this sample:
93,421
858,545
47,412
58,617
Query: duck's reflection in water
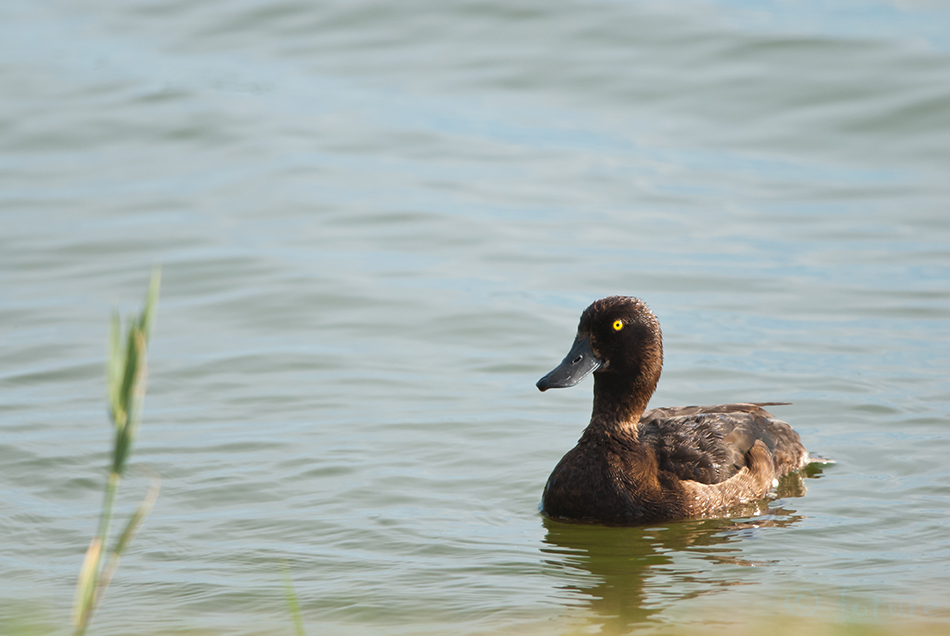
626,576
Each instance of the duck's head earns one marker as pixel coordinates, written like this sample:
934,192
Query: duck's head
619,341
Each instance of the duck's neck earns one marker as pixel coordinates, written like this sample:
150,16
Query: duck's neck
620,401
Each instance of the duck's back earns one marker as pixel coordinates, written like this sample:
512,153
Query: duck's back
708,444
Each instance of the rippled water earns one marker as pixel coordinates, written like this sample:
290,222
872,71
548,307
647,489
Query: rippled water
378,224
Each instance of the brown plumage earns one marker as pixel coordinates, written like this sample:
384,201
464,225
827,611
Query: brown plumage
636,466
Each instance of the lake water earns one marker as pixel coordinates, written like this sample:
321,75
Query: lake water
378,224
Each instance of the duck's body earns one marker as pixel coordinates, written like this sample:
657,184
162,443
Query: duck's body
634,466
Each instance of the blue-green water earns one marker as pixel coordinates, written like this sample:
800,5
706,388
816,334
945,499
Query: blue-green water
378,224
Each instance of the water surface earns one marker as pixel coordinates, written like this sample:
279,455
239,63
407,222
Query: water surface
378,225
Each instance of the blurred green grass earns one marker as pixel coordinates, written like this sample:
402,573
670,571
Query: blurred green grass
126,374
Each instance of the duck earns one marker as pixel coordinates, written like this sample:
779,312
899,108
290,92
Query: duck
634,465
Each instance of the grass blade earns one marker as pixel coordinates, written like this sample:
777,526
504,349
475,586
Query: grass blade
128,534
291,596
126,373
86,585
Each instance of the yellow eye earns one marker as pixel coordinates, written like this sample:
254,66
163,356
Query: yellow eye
618,325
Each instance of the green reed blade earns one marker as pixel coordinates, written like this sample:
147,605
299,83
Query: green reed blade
145,507
291,596
126,372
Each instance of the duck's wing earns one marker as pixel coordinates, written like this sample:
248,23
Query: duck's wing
741,407
709,444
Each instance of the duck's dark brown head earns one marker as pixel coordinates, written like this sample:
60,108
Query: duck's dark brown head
619,341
